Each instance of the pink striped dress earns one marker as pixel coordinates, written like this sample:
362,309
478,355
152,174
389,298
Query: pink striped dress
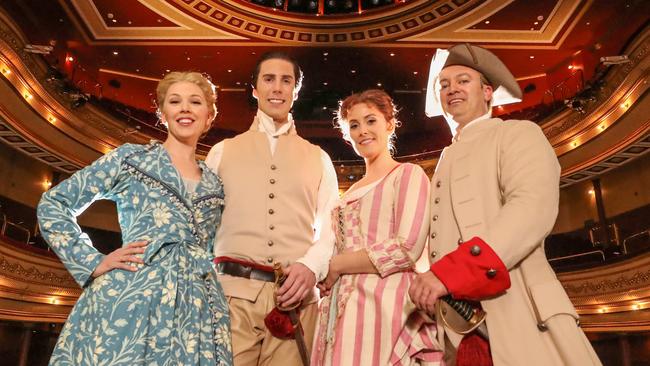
369,319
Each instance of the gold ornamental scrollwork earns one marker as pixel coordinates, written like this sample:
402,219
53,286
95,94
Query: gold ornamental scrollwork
18,271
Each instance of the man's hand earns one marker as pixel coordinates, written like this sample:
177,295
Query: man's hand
425,290
121,258
300,280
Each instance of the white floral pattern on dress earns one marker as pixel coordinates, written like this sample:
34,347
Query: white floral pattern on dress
171,311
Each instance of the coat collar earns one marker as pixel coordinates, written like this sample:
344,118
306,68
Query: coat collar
156,163
475,128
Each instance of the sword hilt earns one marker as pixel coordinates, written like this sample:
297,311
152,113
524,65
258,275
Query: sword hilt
475,317
463,308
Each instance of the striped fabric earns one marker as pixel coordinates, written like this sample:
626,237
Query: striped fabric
369,318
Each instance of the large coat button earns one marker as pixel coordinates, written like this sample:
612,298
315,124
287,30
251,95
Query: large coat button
475,250
269,260
273,167
271,196
436,200
272,181
460,241
270,243
434,254
491,273
433,235
438,184
271,211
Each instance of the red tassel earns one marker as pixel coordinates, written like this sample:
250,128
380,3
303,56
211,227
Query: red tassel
473,350
279,324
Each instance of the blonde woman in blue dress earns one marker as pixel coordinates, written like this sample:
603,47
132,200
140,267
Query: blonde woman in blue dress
154,301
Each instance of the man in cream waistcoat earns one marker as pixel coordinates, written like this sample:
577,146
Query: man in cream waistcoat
279,192
494,199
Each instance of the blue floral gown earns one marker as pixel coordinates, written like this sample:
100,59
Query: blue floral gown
171,311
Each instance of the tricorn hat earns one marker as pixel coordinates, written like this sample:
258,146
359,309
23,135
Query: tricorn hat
506,89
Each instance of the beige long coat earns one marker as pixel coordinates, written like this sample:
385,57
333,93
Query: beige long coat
500,181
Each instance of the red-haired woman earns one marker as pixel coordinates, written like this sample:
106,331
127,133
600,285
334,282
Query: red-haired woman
381,227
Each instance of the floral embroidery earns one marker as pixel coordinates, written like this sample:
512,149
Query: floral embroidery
168,312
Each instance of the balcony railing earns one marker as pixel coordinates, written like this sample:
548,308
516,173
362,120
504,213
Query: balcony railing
14,231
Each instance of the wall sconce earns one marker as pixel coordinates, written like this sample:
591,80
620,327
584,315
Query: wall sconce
6,71
47,184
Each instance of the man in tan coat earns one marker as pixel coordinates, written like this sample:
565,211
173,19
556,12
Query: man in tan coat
279,191
494,199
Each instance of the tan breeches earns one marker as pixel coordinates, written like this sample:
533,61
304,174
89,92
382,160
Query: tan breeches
253,344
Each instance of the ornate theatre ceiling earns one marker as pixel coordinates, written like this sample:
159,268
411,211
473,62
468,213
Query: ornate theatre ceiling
115,51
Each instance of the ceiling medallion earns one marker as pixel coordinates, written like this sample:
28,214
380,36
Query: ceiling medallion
382,24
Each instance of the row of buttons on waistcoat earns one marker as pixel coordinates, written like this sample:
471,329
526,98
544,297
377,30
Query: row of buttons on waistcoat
271,196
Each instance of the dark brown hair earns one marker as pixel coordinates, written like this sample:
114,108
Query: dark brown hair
278,55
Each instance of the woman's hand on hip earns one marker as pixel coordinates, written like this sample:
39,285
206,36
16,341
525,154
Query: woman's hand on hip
122,258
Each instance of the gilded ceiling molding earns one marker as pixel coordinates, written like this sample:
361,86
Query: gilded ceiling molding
256,26
187,27
421,23
612,297
549,36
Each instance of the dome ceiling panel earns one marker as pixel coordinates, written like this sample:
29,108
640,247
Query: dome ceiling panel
380,25
184,27
135,15
520,15
562,19
419,23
